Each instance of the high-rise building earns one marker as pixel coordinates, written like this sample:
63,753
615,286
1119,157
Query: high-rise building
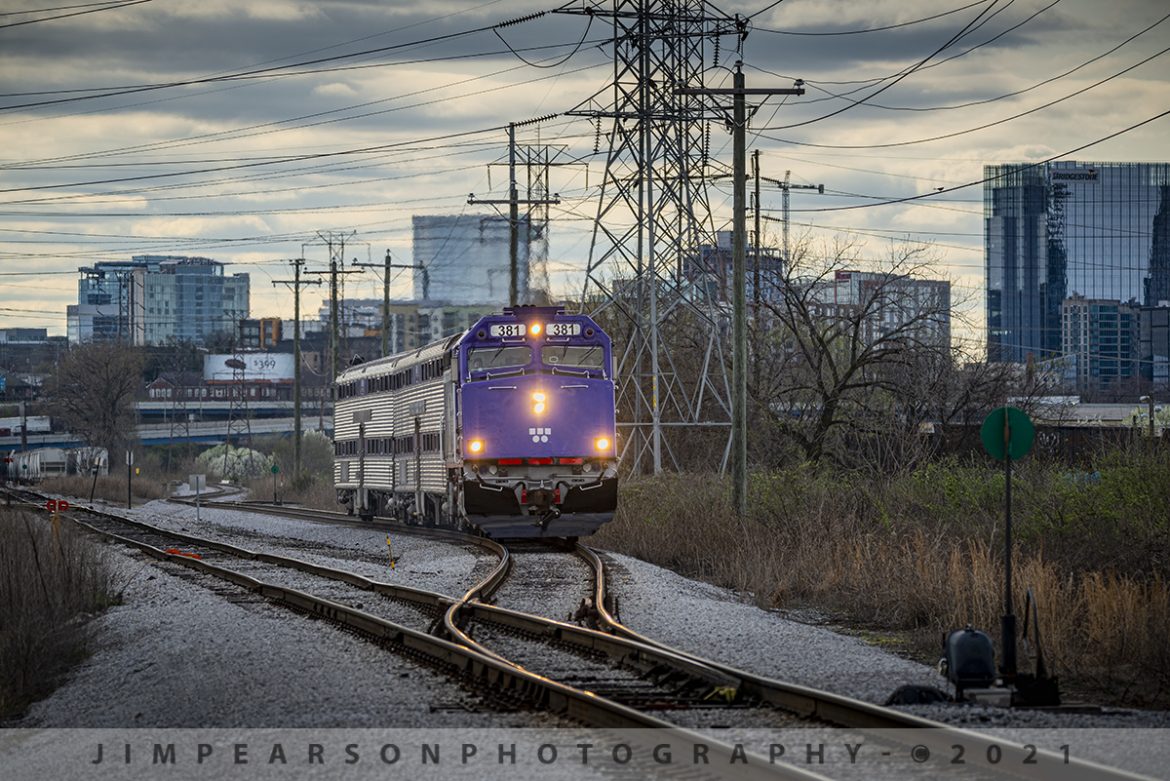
1066,228
712,267
911,308
156,299
1102,338
465,259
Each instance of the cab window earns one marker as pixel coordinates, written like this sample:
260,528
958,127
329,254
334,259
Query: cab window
573,356
495,358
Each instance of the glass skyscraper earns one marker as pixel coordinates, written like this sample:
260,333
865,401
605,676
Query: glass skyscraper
1069,229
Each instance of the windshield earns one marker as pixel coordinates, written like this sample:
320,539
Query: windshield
485,359
575,357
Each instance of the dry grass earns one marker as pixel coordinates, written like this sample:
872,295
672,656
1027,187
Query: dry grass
306,492
112,488
841,545
49,584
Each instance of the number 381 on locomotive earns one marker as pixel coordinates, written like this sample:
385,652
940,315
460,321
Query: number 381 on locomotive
508,428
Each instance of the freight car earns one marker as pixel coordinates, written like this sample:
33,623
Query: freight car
507,428
46,462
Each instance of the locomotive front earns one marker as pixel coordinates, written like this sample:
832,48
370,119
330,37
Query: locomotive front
537,424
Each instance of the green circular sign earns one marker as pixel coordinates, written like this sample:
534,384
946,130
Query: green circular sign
1006,432
275,469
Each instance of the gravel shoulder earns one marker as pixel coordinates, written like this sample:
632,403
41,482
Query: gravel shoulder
722,625
185,650
434,565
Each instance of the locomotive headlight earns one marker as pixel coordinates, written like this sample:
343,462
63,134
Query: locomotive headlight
535,329
538,398
475,446
601,443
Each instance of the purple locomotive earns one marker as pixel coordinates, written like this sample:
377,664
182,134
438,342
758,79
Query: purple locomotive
508,428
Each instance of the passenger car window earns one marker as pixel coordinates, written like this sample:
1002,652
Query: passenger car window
487,358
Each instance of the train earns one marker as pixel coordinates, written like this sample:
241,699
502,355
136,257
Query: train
45,462
507,429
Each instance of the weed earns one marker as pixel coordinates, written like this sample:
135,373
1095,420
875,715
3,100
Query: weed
51,580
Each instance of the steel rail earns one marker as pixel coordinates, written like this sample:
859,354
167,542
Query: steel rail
469,664
631,648
327,516
451,618
850,712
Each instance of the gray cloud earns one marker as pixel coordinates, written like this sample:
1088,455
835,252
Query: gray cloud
235,214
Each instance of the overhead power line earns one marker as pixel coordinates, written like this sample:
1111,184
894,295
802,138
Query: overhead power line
1015,93
873,81
831,33
271,71
945,190
106,7
971,25
977,128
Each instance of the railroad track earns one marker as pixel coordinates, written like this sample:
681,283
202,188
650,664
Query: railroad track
716,695
629,680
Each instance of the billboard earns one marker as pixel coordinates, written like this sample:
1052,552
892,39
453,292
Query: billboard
258,367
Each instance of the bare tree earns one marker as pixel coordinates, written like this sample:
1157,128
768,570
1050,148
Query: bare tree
93,391
844,349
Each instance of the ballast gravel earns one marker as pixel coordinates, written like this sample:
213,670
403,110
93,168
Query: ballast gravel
722,625
434,565
546,583
719,624
187,650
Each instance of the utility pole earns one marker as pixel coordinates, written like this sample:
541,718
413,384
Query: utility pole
513,200
739,308
385,301
513,220
537,160
756,241
296,286
386,266
336,254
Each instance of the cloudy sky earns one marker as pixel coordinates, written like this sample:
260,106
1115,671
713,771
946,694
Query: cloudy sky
243,131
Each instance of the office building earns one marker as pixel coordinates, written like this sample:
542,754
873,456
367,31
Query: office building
157,299
260,333
902,306
1068,229
412,323
711,269
1101,336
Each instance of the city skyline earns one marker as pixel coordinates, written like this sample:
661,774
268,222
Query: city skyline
244,164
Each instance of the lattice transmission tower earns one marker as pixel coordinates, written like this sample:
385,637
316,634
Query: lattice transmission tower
647,277
239,418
